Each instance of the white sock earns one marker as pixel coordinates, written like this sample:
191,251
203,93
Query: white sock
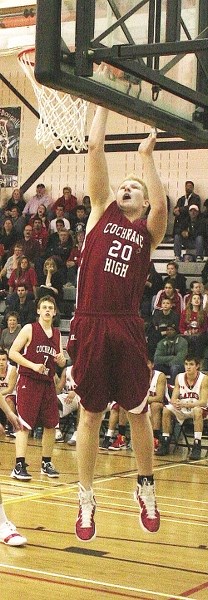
2,515
110,433
197,435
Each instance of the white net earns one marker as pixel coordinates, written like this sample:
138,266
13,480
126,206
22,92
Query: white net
62,122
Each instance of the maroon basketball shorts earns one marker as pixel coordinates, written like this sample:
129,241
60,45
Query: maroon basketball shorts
109,361
37,402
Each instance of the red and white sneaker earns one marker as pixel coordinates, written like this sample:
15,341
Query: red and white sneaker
10,536
85,524
149,514
119,444
156,443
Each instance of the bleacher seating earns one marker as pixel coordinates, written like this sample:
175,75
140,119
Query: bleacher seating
161,256
164,253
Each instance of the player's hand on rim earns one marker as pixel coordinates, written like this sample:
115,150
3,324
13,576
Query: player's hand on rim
148,143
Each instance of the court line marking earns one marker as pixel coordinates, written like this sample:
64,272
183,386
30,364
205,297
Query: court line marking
170,506
155,469
54,492
59,491
125,507
173,498
129,514
50,492
91,582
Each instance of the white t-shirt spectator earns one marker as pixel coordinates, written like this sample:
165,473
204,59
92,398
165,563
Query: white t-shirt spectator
53,228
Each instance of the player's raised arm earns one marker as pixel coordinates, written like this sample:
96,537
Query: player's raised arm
157,217
98,179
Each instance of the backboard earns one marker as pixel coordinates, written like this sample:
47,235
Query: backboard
158,52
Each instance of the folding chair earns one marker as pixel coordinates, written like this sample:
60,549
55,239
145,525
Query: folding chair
178,431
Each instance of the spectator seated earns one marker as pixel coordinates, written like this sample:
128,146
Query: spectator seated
189,400
178,279
169,291
170,353
194,324
190,234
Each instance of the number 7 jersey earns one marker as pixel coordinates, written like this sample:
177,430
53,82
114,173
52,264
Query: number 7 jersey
114,265
42,349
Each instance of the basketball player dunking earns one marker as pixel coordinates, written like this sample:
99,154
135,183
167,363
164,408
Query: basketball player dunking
107,342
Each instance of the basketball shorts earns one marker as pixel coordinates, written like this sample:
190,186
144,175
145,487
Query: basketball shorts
37,403
182,415
109,361
66,408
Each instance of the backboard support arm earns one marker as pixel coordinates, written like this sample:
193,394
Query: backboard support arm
139,61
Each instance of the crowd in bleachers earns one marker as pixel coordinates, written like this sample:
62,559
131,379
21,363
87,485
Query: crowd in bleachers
40,245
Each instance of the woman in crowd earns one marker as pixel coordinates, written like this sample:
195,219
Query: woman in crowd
10,332
10,265
16,200
169,291
193,325
8,237
51,281
23,274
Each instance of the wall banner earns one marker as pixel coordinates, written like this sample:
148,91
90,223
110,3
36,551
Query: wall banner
10,119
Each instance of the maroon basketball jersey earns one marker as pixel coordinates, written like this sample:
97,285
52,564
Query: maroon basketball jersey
114,265
42,350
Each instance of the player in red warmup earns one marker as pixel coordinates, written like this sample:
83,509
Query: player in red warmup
107,343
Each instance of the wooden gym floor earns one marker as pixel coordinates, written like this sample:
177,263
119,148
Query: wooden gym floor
123,562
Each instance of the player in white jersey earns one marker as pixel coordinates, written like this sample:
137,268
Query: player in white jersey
189,400
157,397
8,532
69,401
8,378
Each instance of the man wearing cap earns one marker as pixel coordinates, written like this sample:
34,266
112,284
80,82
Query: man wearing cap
181,209
190,234
171,352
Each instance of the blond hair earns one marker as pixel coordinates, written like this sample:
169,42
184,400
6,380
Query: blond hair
133,177
50,261
47,299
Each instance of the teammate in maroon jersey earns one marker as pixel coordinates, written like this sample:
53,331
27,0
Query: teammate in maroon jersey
36,394
107,342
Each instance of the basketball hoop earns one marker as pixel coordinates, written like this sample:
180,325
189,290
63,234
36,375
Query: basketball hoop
62,118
